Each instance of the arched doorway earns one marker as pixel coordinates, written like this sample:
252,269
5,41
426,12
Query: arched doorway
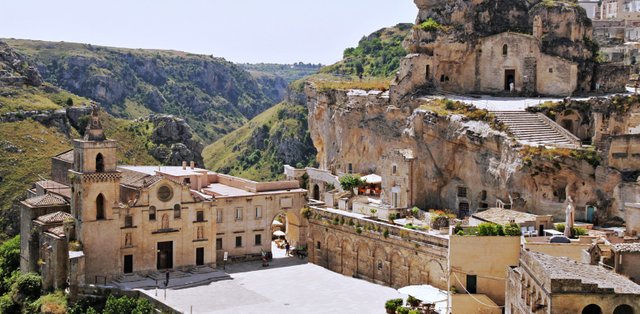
623,309
592,309
316,192
285,228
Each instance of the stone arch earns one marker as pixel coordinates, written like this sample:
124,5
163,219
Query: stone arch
363,253
436,274
100,208
316,192
348,262
293,228
99,163
398,269
334,254
592,309
415,272
380,261
623,309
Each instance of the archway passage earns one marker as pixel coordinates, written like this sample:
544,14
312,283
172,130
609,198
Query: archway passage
623,309
509,78
592,309
285,228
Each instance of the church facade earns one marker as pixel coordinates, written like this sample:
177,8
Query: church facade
96,221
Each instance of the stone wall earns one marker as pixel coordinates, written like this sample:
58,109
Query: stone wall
632,218
624,152
402,257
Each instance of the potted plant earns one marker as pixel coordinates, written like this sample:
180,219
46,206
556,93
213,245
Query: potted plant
392,305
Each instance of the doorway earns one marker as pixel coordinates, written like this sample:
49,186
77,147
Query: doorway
509,77
591,211
128,264
199,256
165,255
316,192
472,281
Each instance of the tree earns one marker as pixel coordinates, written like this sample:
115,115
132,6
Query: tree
9,262
349,182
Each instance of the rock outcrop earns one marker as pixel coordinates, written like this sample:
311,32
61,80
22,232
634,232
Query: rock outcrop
174,141
14,69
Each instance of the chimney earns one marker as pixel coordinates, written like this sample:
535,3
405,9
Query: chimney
192,164
184,165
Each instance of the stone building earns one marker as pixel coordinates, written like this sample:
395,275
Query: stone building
626,260
546,284
510,47
142,219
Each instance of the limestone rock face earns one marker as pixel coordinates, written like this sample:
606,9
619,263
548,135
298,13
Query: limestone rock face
14,70
174,140
451,151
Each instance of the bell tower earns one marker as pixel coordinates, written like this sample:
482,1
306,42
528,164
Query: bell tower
95,196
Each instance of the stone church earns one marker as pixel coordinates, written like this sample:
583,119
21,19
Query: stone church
96,221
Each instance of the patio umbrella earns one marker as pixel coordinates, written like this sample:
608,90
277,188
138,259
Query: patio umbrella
425,293
279,233
276,223
372,178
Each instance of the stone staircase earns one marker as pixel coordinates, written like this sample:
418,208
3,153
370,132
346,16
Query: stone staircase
536,129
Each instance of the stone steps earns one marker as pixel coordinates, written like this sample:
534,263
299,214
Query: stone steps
530,127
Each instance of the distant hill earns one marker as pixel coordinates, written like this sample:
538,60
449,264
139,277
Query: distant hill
377,55
289,72
259,149
213,95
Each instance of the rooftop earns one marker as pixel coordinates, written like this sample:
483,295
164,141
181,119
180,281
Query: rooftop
219,189
504,216
174,171
56,217
46,200
627,247
66,156
59,231
137,179
558,268
55,187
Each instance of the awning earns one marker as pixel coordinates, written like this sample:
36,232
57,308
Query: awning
372,178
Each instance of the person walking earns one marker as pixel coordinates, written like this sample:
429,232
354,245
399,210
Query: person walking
287,247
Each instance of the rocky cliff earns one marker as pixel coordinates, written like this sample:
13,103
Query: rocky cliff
453,150
213,95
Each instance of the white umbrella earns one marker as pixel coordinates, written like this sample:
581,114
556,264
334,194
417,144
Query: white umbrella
279,233
276,223
425,293
372,178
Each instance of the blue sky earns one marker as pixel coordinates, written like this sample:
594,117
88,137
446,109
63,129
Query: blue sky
279,31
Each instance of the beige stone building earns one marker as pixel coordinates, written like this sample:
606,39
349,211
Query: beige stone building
546,284
126,219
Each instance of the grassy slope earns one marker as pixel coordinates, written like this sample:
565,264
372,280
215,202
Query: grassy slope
253,151
214,96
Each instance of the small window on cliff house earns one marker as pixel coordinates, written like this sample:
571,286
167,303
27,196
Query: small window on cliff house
442,78
550,70
394,169
350,168
462,191
483,195
505,50
428,71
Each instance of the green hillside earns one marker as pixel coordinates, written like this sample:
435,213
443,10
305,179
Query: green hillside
259,149
377,55
213,95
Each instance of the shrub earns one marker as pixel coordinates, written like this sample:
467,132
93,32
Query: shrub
460,233
392,305
127,305
385,233
358,230
560,227
54,303
414,311
458,228
512,229
415,212
579,231
430,25
402,310
305,212
7,305
392,217
27,286
413,301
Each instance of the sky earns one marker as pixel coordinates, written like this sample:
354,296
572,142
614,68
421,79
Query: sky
253,31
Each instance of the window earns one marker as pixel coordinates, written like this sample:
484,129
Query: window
239,241
219,244
165,193
152,213
428,71
442,78
550,70
128,221
176,211
200,215
258,212
239,213
99,163
258,239
395,199
505,50
394,169
219,215
464,206
483,195
100,207
350,168
462,191
318,245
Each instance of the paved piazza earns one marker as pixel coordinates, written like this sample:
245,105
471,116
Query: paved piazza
288,285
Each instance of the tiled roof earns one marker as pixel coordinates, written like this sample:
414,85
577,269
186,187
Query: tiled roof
66,156
56,217
627,247
59,231
559,268
137,179
503,216
46,200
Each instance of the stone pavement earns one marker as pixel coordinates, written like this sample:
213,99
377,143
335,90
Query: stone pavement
287,285
178,279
